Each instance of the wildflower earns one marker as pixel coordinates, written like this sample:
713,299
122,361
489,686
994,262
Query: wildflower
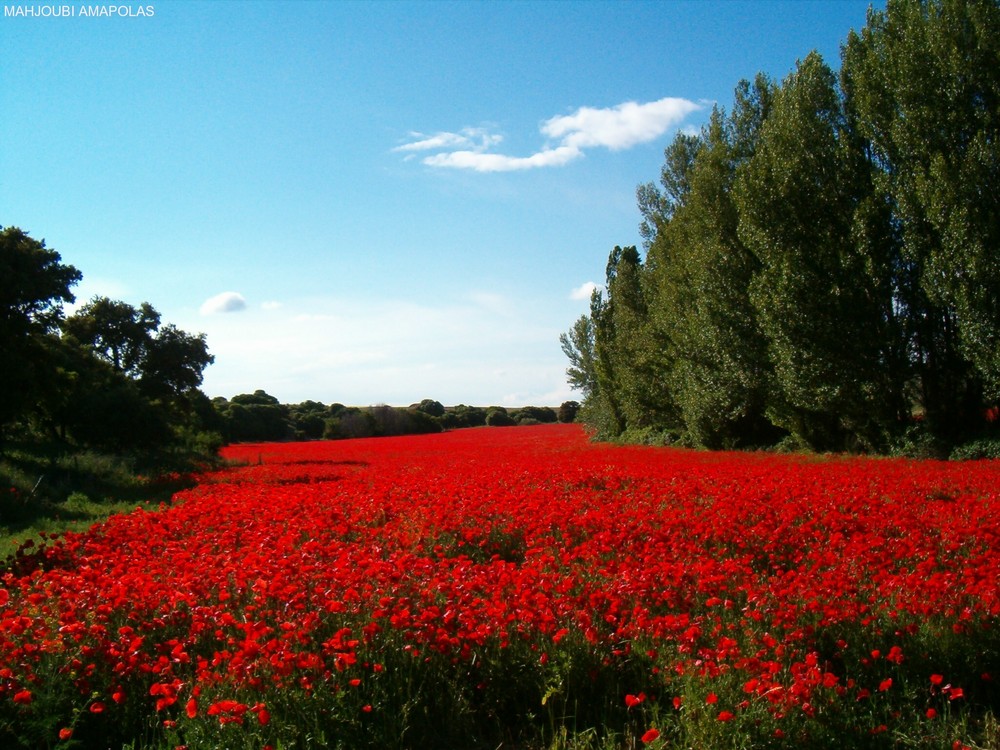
65,733
726,716
650,736
634,700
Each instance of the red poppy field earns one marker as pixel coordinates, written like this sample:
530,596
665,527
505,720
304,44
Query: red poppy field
518,587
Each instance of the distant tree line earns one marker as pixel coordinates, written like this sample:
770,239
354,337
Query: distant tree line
260,417
110,376
822,261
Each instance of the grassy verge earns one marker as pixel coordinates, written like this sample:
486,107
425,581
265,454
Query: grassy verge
46,488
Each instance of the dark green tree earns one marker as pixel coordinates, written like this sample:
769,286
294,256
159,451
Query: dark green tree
115,331
657,205
259,397
568,411
157,370
819,304
497,416
33,285
923,86
718,371
253,417
173,363
638,372
166,362
431,407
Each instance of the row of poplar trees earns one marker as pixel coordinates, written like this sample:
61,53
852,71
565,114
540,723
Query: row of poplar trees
822,261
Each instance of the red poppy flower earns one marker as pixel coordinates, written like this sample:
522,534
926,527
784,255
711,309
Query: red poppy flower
634,700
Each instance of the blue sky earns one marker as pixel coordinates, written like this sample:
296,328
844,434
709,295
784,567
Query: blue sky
368,202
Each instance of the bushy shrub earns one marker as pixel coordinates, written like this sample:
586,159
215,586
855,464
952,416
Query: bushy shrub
568,411
982,448
540,415
431,407
497,416
465,416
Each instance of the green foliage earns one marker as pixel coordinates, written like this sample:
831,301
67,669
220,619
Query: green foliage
578,346
48,488
535,415
33,285
463,416
719,373
924,85
568,411
822,261
115,331
497,416
822,314
431,407
254,417
107,378
977,449
257,398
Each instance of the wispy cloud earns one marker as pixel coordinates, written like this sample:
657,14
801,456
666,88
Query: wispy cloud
615,128
583,291
486,162
223,303
472,140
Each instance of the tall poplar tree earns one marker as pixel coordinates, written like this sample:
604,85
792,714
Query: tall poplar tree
818,305
720,372
923,80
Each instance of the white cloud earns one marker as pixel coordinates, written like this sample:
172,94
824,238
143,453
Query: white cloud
484,162
223,303
615,128
476,139
619,127
583,291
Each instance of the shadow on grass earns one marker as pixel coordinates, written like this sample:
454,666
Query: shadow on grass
47,488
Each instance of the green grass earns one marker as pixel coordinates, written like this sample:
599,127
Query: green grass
47,488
